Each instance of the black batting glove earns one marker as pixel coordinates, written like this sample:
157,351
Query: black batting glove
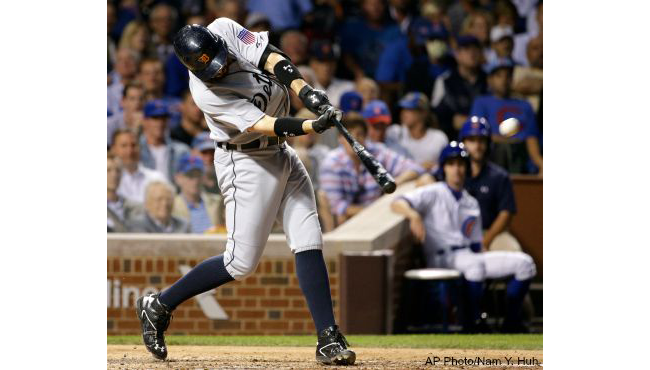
326,120
314,100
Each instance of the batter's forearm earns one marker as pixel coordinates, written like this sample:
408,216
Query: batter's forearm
268,126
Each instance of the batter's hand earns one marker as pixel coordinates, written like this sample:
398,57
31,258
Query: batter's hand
326,120
417,228
314,100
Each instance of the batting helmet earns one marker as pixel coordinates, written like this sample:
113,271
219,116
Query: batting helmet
453,150
474,126
201,51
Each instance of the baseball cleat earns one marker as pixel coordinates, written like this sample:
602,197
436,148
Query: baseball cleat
154,318
332,348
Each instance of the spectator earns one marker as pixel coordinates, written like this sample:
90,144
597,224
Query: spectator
478,24
162,22
348,186
368,89
111,19
520,50
192,121
131,114
202,210
424,143
125,71
120,211
502,44
135,176
455,90
232,9
284,15
151,74
528,81
458,12
157,151
323,63
490,185
294,44
444,218
136,37
258,22
515,152
363,40
351,101
378,119
203,146
157,217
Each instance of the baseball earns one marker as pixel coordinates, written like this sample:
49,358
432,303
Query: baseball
509,127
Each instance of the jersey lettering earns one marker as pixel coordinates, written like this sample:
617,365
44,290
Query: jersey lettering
261,99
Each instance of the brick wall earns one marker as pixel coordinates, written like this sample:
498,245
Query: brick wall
268,302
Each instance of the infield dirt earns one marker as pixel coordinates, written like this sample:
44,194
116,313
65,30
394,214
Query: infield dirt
226,357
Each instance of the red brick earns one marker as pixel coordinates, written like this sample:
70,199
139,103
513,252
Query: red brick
179,325
274,325
230,302
148,266
192,262
310,326
333,280
171,265
249,314
138,279
290,269
258,269
108,266
268,267
128,324
203,325
160,265
298,303
116,265
250,325
251,280
250,303
334,292
250,291
180,313
137,266
292,292
196,313
114,313
294,281
296,325
296,314
226,324
274,292
274,303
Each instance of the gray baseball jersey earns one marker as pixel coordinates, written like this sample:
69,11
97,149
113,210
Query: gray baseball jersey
239,99
259,186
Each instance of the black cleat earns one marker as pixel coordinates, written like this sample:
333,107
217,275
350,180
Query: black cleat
154,319
332,348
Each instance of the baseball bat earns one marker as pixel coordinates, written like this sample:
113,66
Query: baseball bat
382,177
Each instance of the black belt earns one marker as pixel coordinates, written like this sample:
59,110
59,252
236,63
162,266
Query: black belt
255,144
454,248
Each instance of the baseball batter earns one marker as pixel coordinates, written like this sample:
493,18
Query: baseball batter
446,219
241,83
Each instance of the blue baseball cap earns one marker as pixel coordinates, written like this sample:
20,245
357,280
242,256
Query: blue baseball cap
468,40
414,100
422,30
499,64
351,101
474,126
156,108
189,162
375,112
202,142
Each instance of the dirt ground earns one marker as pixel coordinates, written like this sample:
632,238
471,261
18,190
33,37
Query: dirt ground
223,357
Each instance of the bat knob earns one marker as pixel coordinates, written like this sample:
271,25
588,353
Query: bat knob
389,187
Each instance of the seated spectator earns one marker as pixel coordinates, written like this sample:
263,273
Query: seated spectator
121,211
157,151
445,220
131,115
368,89
490,185
126,68
203,146
378,119
157,218
136,37
520,50
233,9
162,21
283,14
135,176
424,143
512,153
363,40
202,210
502,44
478,24
294,44
192,121
322,61
455,90
528,81
348,185
258,22
152,76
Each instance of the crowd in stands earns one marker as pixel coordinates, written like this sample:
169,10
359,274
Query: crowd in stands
408,74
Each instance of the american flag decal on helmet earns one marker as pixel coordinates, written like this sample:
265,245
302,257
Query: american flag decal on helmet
246,36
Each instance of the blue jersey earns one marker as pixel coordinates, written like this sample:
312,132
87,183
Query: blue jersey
365,43
396,59
496,110
493,190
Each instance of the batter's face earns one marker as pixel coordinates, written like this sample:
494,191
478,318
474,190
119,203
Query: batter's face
113,174
159,203
455,172
126,149
477,147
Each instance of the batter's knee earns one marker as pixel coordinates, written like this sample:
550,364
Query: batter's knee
239,269
526,268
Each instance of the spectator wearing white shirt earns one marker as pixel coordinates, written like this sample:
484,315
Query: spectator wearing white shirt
121,211
135,176
423,142
323,62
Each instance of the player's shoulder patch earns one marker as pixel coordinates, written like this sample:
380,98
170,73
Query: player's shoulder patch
468,226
